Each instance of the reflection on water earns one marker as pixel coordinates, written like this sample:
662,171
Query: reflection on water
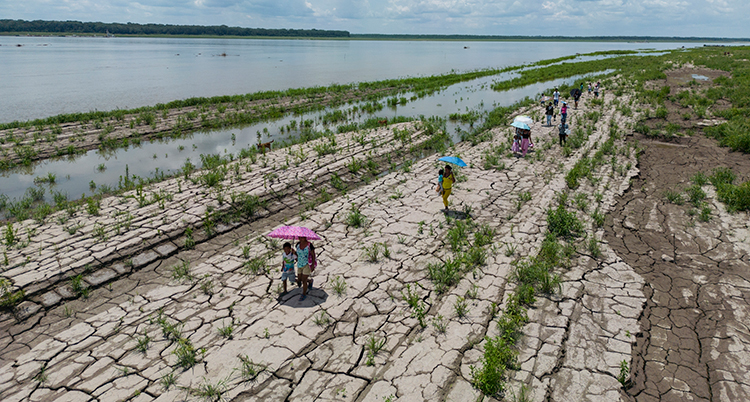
84,174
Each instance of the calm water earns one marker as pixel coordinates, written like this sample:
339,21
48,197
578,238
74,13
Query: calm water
49,76
55,75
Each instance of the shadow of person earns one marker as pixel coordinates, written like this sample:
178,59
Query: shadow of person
456,214
315,296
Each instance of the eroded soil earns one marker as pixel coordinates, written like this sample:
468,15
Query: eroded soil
695,339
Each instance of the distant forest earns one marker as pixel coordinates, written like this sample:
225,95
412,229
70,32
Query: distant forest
77,27
101,28
549,38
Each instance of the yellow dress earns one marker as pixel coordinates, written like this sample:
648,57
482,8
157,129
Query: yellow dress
447,187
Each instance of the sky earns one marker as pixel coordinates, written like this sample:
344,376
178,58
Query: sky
704,18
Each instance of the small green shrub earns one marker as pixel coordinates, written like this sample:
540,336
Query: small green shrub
563,223
355,218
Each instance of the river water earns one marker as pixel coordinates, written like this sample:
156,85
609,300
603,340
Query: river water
52,75
47,76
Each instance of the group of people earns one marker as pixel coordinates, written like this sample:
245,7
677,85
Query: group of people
303,256
520,143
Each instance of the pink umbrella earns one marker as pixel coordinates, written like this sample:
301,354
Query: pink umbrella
293,232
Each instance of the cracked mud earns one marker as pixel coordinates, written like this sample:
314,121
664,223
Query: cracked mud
668,297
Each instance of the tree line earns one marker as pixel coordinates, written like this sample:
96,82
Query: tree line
78,27
545,38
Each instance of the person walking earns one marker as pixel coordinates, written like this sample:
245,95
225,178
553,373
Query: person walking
556,97
564,111
525,141
550,112
306,263
563,133
448,180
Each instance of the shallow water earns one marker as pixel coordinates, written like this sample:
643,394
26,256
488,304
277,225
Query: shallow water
74,175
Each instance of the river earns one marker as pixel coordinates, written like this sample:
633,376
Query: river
45,76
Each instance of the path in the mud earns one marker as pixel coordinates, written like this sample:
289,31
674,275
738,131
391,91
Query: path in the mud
317,349
695,341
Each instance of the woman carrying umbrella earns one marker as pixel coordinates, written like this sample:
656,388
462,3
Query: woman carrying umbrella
306,263
448,180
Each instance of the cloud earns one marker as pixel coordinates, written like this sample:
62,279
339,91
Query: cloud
493,17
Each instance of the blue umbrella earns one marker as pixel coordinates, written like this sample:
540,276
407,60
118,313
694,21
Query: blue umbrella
522,126
454,160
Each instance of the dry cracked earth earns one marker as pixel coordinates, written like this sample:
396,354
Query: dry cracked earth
667,298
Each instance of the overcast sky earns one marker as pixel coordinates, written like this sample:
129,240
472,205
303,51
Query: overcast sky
716,18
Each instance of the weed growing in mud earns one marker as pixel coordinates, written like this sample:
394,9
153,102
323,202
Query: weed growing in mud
410,297
372,253
41,376
10,234
445,274
227,330
373,345
735,197
460,307
484,236
695,194
338,284
705,214
475,257
699,179
181,272
8,297
256,266
68,311
593,247
207,286
189,241
439,324
167,381
499,355
78,286
582,201
598,217
675,197
249,371
355,218
563,223
143,342
322,319
209,392
458,236
624,372
337,183
186,354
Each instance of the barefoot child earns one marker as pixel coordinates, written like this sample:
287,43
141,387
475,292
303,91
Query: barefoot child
288,258
440,182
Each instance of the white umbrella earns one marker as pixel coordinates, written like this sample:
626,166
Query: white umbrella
524,119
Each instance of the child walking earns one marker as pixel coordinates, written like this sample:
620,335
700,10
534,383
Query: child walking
440,182
516,147
288,258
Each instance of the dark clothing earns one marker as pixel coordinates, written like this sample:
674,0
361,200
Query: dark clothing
563,133
550,110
